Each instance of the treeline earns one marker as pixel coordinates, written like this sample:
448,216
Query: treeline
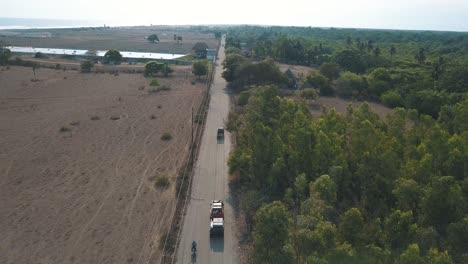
352,188
411,69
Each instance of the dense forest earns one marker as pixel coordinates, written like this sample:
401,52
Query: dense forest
411,69
353,187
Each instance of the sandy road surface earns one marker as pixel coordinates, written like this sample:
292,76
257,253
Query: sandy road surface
88,195
210,182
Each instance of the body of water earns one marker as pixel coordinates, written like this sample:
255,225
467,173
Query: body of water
99,53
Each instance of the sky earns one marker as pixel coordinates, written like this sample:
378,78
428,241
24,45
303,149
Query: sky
396,14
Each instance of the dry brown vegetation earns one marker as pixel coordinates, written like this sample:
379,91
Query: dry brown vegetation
122,38
84,195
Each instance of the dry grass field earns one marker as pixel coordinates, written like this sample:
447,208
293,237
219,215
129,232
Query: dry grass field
83,162
120,38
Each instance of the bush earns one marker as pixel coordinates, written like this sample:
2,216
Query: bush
154,82
86,66
392,99
164,88
330,70
153,67
95,118
166,136
309,93
321,82
64,129
5,55
39,55
162,181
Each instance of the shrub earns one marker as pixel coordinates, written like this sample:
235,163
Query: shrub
86,66
39,55
162,181
114,117
392,99
321,82
95,118
166,136
154,82
152,117
330,70
309,93
164,88
64,129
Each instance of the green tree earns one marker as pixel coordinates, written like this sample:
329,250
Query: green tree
352,60
350,84
153,37
392,51
437,257
231,66
443,203
113,56
352,226
408,194
86,66
377,51
5,55
349,41
379,81
154,67
458,236
330,70
420,56
400,230
454,78
200,68
166,70
319,81
324,188
200,47
271,234
411,256
392,99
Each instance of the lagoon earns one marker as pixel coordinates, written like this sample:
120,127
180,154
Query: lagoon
99,53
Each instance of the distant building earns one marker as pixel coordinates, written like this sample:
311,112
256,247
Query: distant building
210,54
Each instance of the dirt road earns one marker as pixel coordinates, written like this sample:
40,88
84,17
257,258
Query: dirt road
210,182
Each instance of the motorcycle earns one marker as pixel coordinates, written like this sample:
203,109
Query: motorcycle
194,249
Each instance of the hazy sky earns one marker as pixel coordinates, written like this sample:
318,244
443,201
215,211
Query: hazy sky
394,14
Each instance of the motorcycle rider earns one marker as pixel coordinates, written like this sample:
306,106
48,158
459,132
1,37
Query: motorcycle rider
194,246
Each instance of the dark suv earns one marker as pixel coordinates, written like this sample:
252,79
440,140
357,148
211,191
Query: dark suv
220,133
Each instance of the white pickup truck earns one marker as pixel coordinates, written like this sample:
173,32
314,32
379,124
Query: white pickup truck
216,217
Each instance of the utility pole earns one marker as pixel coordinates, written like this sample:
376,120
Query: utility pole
192,132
